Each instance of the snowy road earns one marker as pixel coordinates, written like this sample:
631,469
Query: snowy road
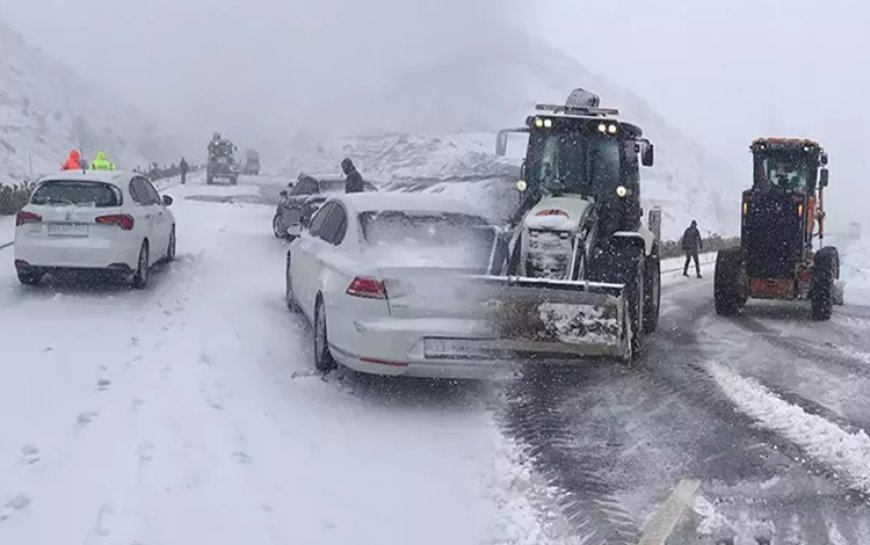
769,411
189,413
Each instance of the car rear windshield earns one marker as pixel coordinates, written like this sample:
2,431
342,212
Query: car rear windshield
332,186
77,193
460,239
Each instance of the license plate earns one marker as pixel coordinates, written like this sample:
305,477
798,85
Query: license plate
67,230
461,349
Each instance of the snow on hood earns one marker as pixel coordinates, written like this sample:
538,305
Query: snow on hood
561,213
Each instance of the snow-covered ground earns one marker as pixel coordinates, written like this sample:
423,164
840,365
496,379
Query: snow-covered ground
855,270
189,413
7,229
46,109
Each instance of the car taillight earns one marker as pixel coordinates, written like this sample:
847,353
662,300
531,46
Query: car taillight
366,287
27,217
124,221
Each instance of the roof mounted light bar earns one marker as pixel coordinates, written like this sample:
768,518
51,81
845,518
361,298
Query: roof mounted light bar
576,110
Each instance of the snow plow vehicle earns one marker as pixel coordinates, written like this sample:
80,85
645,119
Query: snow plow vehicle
579,274
781,217
221,162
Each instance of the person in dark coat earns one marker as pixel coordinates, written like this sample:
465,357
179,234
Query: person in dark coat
354,181
692,244
183,167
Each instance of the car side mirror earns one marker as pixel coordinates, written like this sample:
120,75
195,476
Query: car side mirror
823,159
167,200
647,154
283,193
823,178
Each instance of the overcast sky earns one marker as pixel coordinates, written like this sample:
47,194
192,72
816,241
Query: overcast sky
722,71
726,71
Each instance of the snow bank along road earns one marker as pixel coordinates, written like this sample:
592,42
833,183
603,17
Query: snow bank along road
189,413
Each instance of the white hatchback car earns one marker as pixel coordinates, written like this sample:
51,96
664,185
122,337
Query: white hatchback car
103,221
381,279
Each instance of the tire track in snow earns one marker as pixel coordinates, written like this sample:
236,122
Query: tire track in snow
800,347
555,417
587,500
847,454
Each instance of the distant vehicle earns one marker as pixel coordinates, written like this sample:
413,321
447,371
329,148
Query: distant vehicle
111,222
782,254
221,163
855,230
252,163
375,276
302,199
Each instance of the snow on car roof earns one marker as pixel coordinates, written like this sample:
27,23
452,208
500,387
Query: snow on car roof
107,176
411,202
321,177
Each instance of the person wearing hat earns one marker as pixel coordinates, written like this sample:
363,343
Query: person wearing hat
354,180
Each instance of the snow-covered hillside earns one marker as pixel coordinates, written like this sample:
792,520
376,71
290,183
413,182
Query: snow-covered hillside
46,109
462,101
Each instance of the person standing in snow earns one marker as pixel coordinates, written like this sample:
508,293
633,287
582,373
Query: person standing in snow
101,163
692,244
183,167
354,180
73,162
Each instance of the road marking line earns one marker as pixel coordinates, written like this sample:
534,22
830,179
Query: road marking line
660,527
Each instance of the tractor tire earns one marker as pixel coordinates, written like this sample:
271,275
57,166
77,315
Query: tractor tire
825,270
729,282
652,294
634,293
625,264
627,267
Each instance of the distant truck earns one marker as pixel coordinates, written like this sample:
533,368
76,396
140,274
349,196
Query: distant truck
855,230
221,162
252,162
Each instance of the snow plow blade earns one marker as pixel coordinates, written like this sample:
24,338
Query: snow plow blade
540,319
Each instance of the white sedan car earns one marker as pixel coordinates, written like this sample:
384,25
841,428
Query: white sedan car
102,221
381,279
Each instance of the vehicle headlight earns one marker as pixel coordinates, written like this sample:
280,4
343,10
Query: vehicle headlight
522,185
621,191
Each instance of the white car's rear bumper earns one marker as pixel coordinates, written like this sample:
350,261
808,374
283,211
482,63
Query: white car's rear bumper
396,346
75,252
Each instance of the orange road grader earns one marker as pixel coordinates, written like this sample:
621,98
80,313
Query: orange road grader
782,222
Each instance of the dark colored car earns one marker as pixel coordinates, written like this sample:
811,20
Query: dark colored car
300,202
